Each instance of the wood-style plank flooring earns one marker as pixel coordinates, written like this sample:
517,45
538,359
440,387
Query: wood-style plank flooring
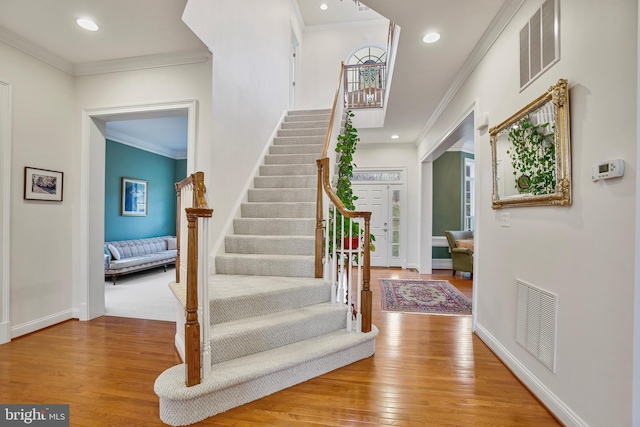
428,370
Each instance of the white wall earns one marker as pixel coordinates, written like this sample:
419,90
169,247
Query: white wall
250,42
398,155
583,253
323,48
40,245
114,91
5,208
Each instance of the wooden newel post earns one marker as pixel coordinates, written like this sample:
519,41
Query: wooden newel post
192,326
319,214
366,296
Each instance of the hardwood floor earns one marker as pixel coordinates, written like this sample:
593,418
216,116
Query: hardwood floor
428,370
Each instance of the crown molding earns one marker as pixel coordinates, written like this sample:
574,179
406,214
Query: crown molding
341,25
140,144
495,29
298,13
101,67
20,43
141,62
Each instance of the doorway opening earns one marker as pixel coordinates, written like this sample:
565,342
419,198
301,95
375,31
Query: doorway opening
432,241
89,285
382,191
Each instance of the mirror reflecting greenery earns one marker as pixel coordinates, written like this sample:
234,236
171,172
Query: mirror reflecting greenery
531,153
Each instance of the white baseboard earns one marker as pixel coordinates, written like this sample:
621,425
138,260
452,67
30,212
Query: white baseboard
441,263
43,322
537,387
5,332
413,266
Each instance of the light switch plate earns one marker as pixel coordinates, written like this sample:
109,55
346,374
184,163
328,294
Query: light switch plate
504,220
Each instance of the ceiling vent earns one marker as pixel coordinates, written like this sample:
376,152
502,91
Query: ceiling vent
363,8
540,42
536,323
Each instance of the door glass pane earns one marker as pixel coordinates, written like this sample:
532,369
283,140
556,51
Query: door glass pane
395,223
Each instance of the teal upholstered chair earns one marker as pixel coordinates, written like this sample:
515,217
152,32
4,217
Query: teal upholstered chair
461,257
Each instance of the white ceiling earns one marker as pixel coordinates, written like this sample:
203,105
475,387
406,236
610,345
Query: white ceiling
424,74
337,12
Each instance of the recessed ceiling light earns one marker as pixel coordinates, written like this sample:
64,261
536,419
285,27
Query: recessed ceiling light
431,38
324,6
395,136
87,24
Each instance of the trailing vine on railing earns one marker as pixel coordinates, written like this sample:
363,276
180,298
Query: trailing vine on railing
346,148
533,156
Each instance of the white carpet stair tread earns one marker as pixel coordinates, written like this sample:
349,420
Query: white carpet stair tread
243,337
265,264
170,384
282,195
240,297
283,245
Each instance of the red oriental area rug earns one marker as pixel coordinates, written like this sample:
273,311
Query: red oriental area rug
423,296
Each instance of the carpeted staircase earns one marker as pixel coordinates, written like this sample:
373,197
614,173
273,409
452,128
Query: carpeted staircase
273,324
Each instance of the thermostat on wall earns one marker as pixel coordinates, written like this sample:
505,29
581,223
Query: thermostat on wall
609,169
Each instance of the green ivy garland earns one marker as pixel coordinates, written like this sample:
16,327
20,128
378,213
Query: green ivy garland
533,156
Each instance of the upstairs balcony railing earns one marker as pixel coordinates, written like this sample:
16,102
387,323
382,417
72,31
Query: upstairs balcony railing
365,85
336,258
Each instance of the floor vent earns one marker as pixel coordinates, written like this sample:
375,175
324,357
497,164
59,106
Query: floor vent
536,323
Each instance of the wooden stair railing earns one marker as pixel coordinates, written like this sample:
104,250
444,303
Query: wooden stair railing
364,305
193,186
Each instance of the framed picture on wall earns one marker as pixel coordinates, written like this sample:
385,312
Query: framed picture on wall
134,197
42,184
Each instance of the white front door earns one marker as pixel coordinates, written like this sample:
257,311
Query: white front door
374,198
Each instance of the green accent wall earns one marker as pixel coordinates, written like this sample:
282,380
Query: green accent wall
161,174
448,186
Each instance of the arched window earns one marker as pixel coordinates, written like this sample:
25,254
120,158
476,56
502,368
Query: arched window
365,73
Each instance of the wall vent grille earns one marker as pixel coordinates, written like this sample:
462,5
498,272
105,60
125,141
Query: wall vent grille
536,323
539,42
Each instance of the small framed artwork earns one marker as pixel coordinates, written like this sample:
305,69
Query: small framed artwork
134,197
43,184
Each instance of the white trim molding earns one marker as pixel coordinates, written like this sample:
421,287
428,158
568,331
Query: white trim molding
535,385
497,26
86,283
5,210
141,62
43,322
108,66
140,144
442,264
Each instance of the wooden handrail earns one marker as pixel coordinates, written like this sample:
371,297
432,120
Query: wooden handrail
327,139
196,180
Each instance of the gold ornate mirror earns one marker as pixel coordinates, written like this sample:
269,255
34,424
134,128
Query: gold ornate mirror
531,154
